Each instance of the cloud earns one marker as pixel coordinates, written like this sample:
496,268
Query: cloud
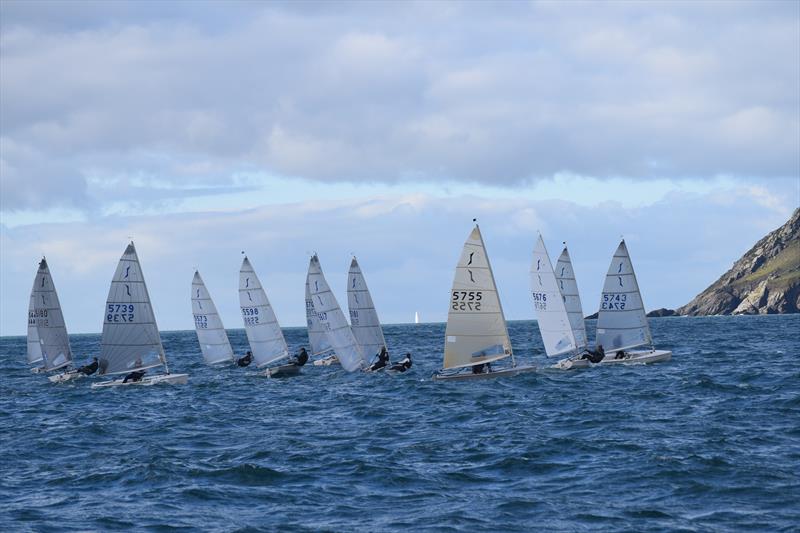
192,95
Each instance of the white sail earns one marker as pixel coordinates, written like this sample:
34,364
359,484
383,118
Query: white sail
476,327
130,338
621,321
565,275
48,340
317,340
263,332
363,317
211,333
548,303
333,320
416,317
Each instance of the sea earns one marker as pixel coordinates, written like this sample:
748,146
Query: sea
709,441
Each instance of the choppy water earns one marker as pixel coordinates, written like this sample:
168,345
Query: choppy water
707,442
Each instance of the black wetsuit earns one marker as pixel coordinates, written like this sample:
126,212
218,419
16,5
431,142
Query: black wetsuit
383,360
301,359
136,375
594,356
246,360
402,366
477,369
89,369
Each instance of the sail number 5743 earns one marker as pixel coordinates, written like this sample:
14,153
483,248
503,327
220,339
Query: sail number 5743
613,302
466,300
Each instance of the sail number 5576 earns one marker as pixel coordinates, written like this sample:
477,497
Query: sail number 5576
466,300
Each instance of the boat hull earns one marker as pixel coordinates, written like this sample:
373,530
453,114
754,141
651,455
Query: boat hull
639,357
283,371
327,361
571,364
66,376
170,379
506,372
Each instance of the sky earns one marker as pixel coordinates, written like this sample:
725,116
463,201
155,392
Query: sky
204,129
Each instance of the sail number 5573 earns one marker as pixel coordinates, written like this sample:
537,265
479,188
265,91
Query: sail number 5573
466,300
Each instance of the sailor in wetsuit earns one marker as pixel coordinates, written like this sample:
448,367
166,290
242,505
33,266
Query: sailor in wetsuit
246,360
383,360
134,376
89,369
594,356
402,365
301,359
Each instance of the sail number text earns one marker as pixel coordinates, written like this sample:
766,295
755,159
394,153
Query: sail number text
250,316
38,316
201,321
539,301
119,313
613,302
466,300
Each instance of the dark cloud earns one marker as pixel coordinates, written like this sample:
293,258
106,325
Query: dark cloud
387,92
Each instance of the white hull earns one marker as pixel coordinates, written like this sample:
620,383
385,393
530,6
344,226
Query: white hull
171,379
327,361
283,371
37,369
66,376
505,372
571,364
638,357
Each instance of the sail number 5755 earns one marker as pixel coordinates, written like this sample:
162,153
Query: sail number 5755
466,300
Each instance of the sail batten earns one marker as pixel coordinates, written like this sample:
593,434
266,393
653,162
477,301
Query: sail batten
337,330
364,319
264,334
211,334
621,320
130,340
476,330
48,340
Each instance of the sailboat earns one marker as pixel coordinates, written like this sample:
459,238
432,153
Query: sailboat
416,317
261,325
621,321
211,334
549,304
476,333
131,341
565,275
317,340
333,321
364,321
48,341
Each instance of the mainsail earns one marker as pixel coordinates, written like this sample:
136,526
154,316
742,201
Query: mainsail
263,332
333,320
548,303
130,335
572,300
47,334
363,317
317,340
211,333
476,327
621,321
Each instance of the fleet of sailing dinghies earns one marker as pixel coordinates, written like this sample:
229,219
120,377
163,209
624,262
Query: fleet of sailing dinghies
264,334
334,324
131,341
211,334
621,320
476,333
48,341
363,317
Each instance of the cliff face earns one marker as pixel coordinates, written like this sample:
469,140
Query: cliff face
765,280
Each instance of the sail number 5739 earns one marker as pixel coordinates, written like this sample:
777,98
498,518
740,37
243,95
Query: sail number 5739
466,300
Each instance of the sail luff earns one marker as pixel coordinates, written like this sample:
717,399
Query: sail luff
565,274
476,330
211,335
364,319
130,339
622,321
549,305
264,334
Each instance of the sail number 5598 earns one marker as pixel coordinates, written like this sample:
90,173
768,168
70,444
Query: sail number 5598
466,300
